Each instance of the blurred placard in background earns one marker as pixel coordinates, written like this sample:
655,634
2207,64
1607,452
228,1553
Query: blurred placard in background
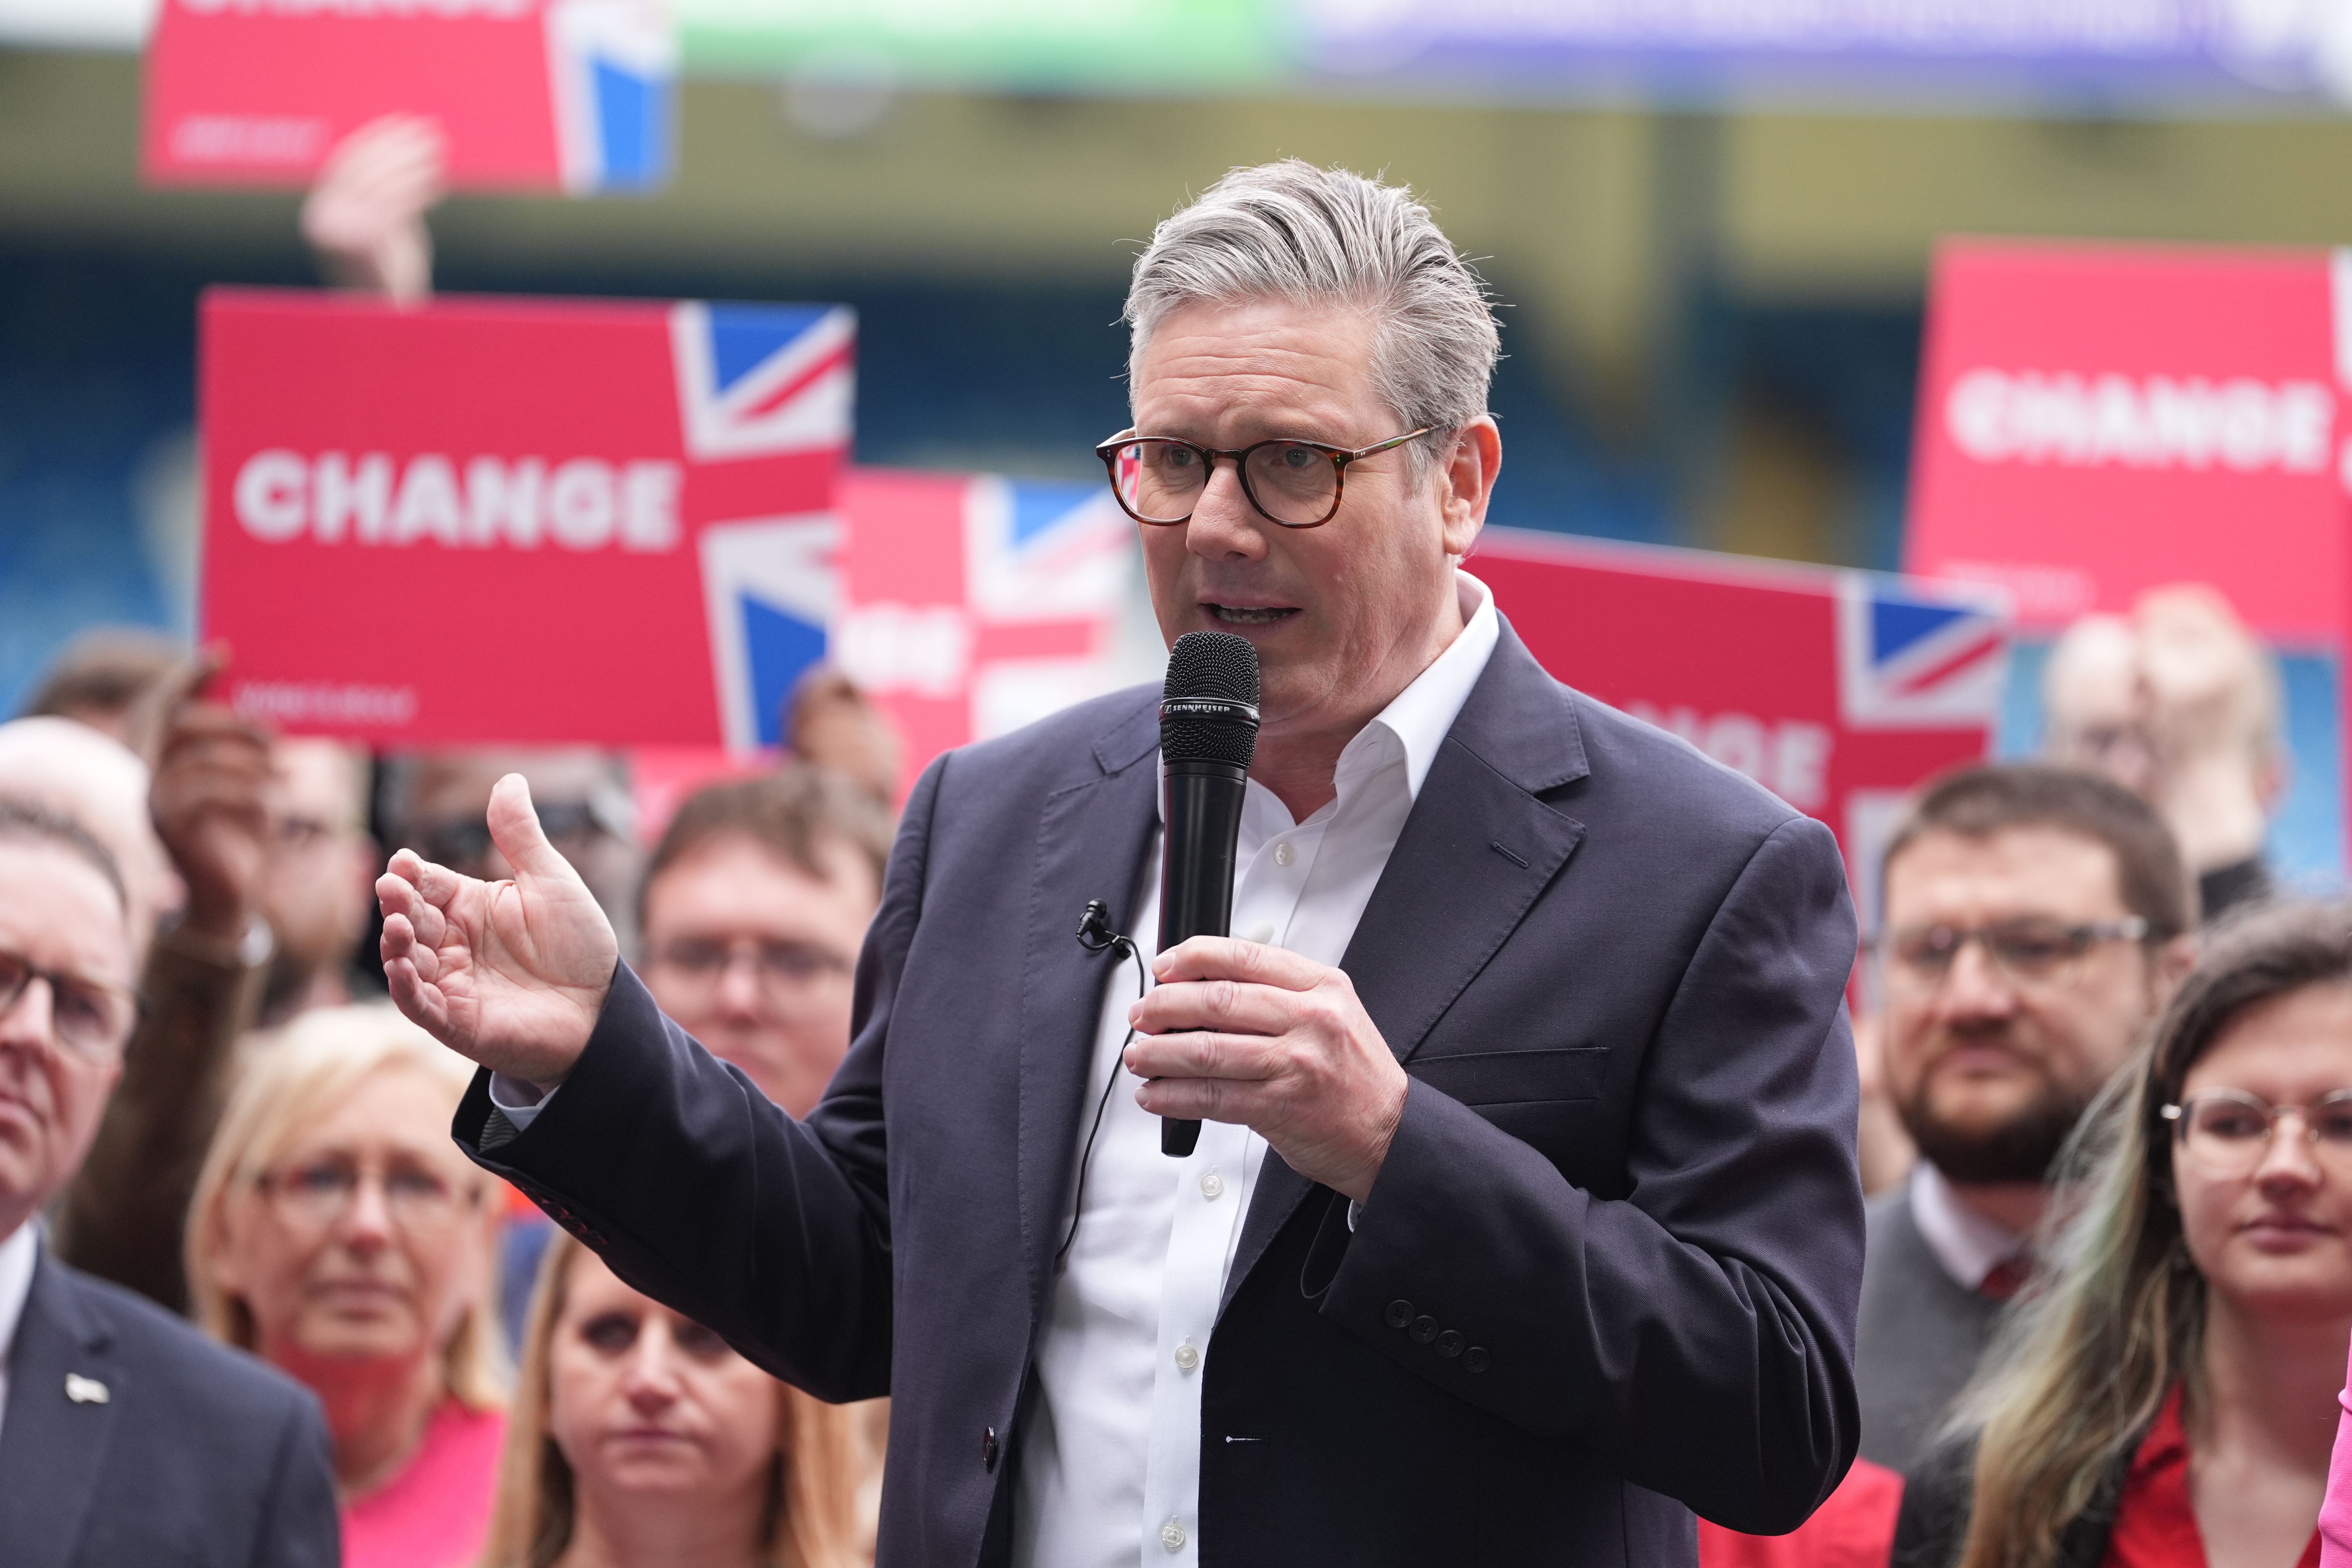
531,94
2095,421
520,520
973,605
1837,690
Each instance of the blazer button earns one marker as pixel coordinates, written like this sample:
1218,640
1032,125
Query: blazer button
1475,1358
988,1450
1425,1328
1400,1313
1449,1343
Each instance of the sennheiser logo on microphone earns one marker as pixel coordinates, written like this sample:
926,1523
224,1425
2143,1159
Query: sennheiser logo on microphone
1208,708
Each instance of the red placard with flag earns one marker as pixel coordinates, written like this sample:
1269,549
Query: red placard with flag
972,603
529,94
520,520
2096,421
1840,691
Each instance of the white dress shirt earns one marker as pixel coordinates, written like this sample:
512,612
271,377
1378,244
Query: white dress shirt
1966,1243
18,1255
1110,1457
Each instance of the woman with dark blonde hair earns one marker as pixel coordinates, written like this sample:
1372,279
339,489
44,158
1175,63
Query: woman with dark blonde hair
2165,1397
638,1440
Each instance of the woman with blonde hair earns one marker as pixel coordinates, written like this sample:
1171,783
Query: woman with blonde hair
338,1233
640,1440
2165,1395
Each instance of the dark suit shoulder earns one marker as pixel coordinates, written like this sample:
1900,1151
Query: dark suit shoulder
222,1384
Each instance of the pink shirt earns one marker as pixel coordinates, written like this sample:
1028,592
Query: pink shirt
2336,1513
434,1513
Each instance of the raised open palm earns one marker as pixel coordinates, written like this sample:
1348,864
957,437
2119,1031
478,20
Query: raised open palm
510,974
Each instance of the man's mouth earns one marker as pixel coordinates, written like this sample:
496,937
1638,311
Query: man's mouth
1250,614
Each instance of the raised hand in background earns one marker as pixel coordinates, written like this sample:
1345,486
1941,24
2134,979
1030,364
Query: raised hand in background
365,216
509,973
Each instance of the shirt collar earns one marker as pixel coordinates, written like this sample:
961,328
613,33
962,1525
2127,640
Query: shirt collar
1423,712
18,1255
1965,1242
1416,720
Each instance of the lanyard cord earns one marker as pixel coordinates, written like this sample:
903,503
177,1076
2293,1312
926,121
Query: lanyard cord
1086,1156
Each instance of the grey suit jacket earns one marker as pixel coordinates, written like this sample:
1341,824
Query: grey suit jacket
195,1456
1921,1335
1624,1175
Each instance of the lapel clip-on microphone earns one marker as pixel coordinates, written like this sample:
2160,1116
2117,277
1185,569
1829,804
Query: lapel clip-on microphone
1208,732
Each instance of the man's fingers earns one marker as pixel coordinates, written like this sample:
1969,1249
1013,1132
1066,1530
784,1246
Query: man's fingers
401,898
434,883
1226,1004
1203,1055
515,830
1229,958
421,1003
1198,1099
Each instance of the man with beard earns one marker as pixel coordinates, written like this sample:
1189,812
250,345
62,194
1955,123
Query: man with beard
2034,922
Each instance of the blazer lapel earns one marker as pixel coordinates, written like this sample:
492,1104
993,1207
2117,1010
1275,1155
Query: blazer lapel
52,1444
1091,842
1476,851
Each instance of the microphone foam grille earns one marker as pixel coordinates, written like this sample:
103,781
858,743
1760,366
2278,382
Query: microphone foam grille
1212,664
1217,665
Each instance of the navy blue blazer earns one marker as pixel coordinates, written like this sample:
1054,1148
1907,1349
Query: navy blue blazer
179,1451
1608,1274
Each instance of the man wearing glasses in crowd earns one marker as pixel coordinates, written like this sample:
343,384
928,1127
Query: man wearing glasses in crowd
2034,925
1525,1217
125,1437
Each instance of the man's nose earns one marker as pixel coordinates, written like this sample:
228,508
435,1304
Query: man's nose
31,1020
739,984
1975,987
1224,526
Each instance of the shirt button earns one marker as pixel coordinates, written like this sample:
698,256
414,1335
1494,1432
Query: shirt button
1213,1186
1171,1536
1284,854
1187,1357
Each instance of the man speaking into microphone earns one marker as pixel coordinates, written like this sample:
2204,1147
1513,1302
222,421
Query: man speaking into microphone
1523,1219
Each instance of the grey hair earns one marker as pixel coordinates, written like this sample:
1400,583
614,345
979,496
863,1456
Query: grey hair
1290,231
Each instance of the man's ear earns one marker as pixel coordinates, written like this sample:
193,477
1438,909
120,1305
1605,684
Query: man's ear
1466,476
2171,966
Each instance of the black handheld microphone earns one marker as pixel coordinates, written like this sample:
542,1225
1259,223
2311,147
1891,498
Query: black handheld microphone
1208,731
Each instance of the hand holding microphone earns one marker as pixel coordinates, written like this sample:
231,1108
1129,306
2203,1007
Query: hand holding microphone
1235,1031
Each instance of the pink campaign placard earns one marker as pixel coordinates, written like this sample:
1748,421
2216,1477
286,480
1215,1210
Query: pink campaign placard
529,94
1840,691
525,521
2096,421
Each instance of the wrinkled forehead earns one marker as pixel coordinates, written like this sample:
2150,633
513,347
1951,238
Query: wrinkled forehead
1272,361
2024,871
61,912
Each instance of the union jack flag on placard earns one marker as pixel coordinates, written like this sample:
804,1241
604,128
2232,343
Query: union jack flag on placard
774,382
973,604
1912,656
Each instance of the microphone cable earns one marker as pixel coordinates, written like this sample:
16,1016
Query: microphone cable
1095,936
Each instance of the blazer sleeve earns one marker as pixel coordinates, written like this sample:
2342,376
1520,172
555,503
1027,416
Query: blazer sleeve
697,1189
1698,1332
301,1524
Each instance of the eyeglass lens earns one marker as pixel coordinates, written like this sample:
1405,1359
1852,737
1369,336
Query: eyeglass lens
1160,481
2025,949
320,1192
87,1018
782,968
2226,1132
